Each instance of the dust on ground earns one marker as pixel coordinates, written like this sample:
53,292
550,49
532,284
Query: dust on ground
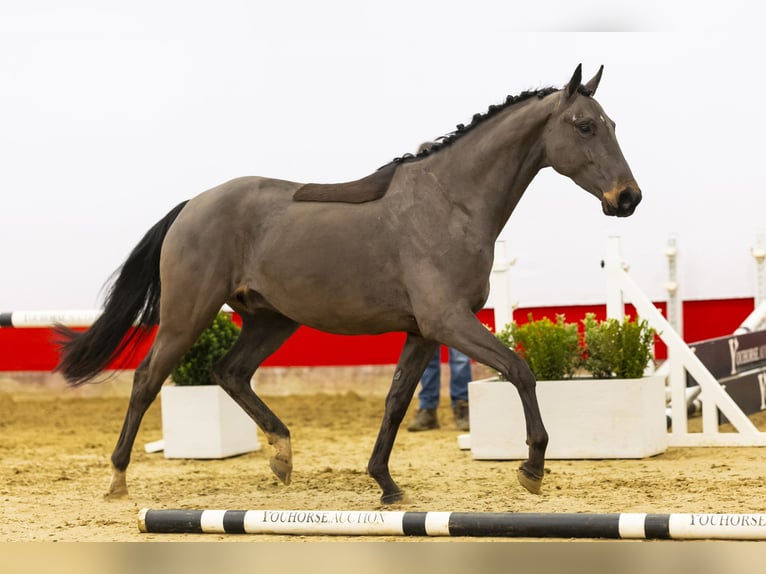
55,445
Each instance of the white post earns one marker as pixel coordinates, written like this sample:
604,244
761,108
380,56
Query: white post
756,318
613,264
501,286
758,251
677,373
675,307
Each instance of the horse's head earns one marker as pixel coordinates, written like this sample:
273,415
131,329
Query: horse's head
580,143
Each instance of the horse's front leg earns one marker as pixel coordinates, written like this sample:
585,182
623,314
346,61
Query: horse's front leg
467,334
412,362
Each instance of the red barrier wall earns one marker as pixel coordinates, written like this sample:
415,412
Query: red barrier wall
32,349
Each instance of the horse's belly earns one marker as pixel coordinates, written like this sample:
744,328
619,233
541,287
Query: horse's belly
343,302
361,324
346,311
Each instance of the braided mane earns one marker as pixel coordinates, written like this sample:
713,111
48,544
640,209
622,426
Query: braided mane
463,129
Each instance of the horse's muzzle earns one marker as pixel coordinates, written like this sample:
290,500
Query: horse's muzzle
624,204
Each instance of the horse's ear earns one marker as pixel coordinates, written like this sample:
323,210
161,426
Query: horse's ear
593,84
574,83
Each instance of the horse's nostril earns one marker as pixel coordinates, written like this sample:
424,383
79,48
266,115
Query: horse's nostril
628,199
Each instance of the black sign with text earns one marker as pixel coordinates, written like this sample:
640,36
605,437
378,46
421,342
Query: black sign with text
727,356
738,362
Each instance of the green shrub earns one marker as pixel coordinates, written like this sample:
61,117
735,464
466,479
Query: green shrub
196,365
607,349
552,350
614,348
602,341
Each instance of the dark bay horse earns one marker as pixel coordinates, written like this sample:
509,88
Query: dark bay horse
408,248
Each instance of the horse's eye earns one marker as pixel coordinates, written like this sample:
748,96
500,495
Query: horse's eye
586,128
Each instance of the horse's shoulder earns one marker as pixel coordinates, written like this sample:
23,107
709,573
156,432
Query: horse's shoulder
369,188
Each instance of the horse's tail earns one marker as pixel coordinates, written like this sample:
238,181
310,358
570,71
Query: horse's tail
132,299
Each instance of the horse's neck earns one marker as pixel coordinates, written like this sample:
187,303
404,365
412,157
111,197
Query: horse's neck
487,170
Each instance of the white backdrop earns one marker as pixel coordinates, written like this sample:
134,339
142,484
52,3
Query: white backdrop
111,113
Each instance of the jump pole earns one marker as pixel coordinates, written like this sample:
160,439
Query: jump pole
20,319
469,524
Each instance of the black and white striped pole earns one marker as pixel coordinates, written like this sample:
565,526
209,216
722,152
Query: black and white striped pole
468,524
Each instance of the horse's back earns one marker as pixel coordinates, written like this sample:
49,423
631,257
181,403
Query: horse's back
369,188
241,190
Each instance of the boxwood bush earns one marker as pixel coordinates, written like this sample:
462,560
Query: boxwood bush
606,349
196,365
551,349
614,348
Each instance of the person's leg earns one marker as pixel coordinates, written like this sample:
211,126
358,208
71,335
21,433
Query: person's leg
428,397
430,384
460,376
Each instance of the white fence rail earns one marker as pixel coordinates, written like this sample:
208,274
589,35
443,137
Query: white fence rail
78,318
681,359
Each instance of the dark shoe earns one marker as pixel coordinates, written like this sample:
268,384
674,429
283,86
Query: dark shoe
425,419
460,409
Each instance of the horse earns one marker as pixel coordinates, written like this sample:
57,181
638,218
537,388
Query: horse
408,248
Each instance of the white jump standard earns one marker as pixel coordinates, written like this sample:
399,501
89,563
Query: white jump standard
470,524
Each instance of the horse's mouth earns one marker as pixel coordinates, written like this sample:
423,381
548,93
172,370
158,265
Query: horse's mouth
626,202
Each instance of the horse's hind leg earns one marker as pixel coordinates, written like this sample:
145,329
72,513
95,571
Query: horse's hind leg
412,362
262,333
169,346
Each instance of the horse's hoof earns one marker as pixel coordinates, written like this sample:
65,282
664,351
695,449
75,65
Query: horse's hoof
526,479
283,470
392,498
116,494
118,488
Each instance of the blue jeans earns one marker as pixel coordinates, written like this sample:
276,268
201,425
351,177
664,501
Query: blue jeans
460,375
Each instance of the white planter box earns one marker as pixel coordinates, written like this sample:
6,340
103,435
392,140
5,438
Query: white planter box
585,418
205,422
